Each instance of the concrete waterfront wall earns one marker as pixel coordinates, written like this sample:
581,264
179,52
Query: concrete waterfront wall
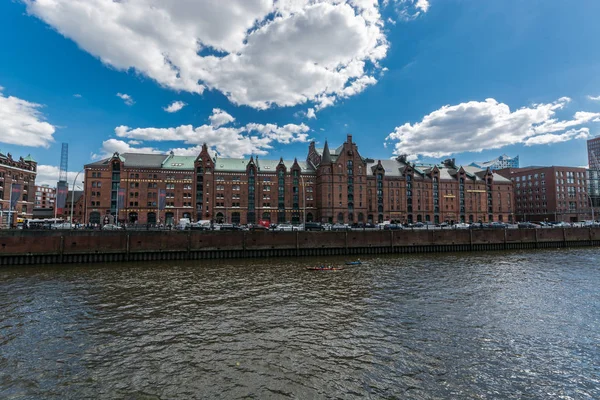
46,247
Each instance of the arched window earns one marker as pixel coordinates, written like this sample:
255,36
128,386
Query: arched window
219,218
309,217
151,218
235,218
361,217
340,218
266,216
295,218
95,217
133,217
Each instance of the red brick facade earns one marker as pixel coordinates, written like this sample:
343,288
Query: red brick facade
336,185
549,193
21,172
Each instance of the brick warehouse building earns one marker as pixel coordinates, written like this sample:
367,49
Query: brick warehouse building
23,172
550,193
336,185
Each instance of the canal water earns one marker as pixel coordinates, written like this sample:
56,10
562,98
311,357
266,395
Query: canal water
505,325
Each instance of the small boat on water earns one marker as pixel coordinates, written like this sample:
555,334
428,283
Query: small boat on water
357,262
325,268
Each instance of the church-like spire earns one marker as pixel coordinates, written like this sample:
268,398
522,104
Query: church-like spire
326,159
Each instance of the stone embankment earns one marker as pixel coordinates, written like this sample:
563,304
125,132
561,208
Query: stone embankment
51,247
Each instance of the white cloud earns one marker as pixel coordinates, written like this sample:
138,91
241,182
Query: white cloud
77,96
549,138
48,175
110,146
594,98
408,9
220,118
260,53
174,106
310,113
475,126
220,134
422,5
21,123
126,98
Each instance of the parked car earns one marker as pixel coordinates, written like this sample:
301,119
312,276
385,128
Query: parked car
257,227
477,225
392,227
527,225
498,225
111,227
64,225
461,226
225,227
313,226
340,227
284,228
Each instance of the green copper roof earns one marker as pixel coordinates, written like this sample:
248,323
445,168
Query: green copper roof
179,162
231,164
29,158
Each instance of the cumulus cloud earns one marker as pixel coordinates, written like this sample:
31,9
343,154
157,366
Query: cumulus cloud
475,126
111,146
220,118
219,134
259,53
22,123
48,175
126,98
594,98
549,138
174,106
310,113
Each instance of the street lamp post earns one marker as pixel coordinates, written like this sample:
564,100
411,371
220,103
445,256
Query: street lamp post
73,196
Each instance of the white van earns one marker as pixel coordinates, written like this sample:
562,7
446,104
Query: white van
184,223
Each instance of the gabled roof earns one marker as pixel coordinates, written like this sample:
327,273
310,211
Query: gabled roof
391,167
271,165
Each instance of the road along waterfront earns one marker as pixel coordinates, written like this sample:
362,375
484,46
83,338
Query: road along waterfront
510,325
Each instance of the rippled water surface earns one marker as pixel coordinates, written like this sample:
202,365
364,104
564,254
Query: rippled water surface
518,325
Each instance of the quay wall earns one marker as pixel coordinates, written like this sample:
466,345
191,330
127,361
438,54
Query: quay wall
48,247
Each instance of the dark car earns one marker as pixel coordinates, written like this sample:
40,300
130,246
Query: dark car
527,225
313,226
392,227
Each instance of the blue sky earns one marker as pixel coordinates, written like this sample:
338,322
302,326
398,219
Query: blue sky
401,76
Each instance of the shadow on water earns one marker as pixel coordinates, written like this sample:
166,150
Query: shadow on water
502,325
